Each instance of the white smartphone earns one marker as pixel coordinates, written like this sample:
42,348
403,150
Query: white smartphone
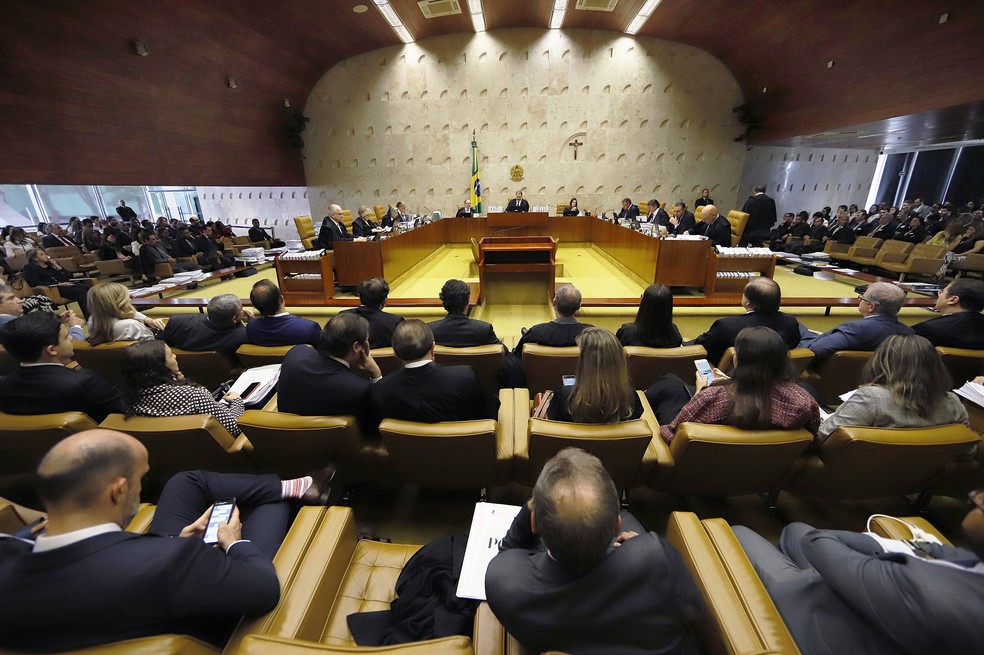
705,370
568,380
221,513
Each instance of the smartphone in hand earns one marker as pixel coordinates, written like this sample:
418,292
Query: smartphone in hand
705,370
221,513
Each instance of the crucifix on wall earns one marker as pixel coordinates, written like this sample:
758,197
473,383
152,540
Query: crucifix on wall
575,144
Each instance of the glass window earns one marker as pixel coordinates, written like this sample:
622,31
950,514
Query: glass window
134,197
17,206
61,202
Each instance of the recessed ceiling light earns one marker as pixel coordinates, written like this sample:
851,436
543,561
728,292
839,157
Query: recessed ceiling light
360,9
477,15
394,20
643,15
830,64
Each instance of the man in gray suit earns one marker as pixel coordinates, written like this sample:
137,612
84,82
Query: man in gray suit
844,592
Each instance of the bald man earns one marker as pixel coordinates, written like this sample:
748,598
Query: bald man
563,330
714,226
88,582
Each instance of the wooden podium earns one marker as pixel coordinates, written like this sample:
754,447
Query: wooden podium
505,221
518,254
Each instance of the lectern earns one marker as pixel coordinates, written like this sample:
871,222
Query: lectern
522,254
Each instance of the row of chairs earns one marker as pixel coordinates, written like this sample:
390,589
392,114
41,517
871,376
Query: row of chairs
702,460
900,257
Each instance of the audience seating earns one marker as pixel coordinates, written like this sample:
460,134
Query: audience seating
894,528
305,231
738,220
970,263
865,462
486,360
836,250
114,269
386,359
25,439
104,359
292,445
961,363
180,443
629,450
327,573
722,460
208,368
863,247
799,359
545,366
647,364
923,259
453,454
891,252
14,517
741,618
251,356
839,373
164,270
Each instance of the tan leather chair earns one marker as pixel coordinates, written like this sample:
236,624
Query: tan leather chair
865,462
14,517
251,356
863,247
380,212
837,250
839,373
292,445
890,250
892,527
738,220
721,460
180,443
486,360
922,260
305,231
324,578
208,368
628,450
453,454
647,364
799,359
25,439
113,268
386,359
545,366
741,618
961,363
972,262
347,219
104,359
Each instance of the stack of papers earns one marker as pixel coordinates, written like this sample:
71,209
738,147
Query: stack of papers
970,390
489,525
255,384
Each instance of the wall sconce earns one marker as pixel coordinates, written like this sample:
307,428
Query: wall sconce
233,84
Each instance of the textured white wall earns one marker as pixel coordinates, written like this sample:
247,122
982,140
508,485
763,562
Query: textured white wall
396,123
272,205
809,179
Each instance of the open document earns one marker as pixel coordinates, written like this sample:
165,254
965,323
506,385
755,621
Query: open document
256,384
490,523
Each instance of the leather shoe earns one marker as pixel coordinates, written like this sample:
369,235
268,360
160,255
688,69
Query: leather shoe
320,490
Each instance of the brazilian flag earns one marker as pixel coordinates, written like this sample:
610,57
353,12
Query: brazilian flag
476,185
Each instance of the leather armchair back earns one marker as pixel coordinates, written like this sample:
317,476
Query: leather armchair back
545,366
647,364
486,360
24,440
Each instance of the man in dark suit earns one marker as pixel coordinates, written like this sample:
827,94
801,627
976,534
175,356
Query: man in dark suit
333,229
682,221
258,235
629,211
427,392
517,204
153,253
184,244
372,298
274,326
879,307
333,379
761,300
573,574
222,328
456,329
42,384
885,228
845,592
126,213
761,210
56,238
91,583
657,215
960,324
211,250
714,226
563,330
467,211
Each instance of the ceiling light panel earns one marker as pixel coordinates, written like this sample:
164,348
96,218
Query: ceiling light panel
386,9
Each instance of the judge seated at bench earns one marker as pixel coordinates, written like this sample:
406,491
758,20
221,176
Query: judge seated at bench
518,204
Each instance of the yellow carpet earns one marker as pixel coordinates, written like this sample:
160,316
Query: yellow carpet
522,301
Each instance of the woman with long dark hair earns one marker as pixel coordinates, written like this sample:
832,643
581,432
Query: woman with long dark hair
653,326
601,392
761,396
903,385
154,386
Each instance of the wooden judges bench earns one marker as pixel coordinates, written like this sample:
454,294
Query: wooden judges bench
673,262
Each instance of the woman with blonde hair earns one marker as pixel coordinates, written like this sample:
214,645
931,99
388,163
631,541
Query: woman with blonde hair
903,385
363,224
113,318
601,392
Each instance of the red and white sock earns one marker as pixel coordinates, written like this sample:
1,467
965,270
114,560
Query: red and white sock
297,487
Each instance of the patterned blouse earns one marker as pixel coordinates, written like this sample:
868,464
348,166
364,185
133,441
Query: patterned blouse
185,400
791,406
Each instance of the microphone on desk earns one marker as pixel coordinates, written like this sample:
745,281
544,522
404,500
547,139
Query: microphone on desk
508,229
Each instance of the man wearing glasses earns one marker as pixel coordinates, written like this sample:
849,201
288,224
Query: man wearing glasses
879,307
846,592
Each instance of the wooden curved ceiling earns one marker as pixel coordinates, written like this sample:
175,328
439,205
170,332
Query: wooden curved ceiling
78,106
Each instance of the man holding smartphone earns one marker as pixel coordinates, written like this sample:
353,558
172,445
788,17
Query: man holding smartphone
89,582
